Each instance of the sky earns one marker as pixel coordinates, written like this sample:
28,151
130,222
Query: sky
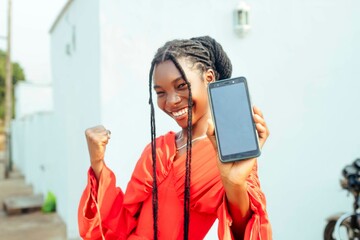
31,22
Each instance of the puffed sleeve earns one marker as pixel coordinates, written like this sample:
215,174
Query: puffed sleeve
258,227
101,208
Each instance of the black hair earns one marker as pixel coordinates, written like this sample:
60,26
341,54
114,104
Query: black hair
204,53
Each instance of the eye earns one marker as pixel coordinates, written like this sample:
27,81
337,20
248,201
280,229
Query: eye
182,85
160,93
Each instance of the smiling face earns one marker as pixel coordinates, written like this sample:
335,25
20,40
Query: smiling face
173,95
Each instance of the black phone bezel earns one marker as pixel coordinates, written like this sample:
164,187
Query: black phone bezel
240,155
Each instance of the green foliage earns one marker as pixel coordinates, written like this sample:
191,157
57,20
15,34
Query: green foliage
17,75
49,203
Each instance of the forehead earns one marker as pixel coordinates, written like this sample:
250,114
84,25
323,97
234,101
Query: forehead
167,71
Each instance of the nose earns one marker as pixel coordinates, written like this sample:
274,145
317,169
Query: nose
173,99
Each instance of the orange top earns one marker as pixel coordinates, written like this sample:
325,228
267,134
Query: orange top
104,210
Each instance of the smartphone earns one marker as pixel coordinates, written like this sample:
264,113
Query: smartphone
232,113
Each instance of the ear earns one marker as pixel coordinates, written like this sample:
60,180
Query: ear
209,76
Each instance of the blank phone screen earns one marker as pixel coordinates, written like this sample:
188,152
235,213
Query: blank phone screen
233,117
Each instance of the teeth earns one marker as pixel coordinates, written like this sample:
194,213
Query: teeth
180,113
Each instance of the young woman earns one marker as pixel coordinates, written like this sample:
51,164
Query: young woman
178,187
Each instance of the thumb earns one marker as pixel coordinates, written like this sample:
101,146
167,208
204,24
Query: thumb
210,132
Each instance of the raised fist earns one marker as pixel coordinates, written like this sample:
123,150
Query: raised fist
97,138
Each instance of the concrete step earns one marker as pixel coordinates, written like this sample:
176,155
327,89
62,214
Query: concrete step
23,204
32,226
8,184
2,164
2,171
15,174
13,187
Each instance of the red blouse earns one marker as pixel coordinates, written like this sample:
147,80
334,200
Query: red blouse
105,212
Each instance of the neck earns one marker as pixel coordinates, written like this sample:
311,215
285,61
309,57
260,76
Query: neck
198,129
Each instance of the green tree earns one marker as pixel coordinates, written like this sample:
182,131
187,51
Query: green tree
17,75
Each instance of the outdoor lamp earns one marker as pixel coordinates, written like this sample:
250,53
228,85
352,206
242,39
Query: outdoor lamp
242,25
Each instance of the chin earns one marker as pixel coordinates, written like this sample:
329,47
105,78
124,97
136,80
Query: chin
182,123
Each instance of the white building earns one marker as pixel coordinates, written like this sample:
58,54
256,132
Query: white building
300,57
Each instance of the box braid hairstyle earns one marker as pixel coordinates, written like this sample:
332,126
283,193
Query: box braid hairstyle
204,53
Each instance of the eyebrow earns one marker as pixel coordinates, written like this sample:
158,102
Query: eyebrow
175,80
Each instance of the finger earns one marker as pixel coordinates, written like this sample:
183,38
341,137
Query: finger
262,133
94,130
259,119
102,131
108,133
106,141
258,111
99,129
100,140
210,130
262,130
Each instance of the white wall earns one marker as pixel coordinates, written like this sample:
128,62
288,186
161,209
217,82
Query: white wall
309,90
301,59
76,79
31,98
32,153
30,129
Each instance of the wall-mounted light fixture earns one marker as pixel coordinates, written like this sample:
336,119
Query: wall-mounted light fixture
242,24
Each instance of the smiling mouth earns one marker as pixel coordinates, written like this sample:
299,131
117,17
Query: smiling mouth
180,113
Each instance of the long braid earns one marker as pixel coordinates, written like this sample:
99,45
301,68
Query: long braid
205,53
153,153
188,152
